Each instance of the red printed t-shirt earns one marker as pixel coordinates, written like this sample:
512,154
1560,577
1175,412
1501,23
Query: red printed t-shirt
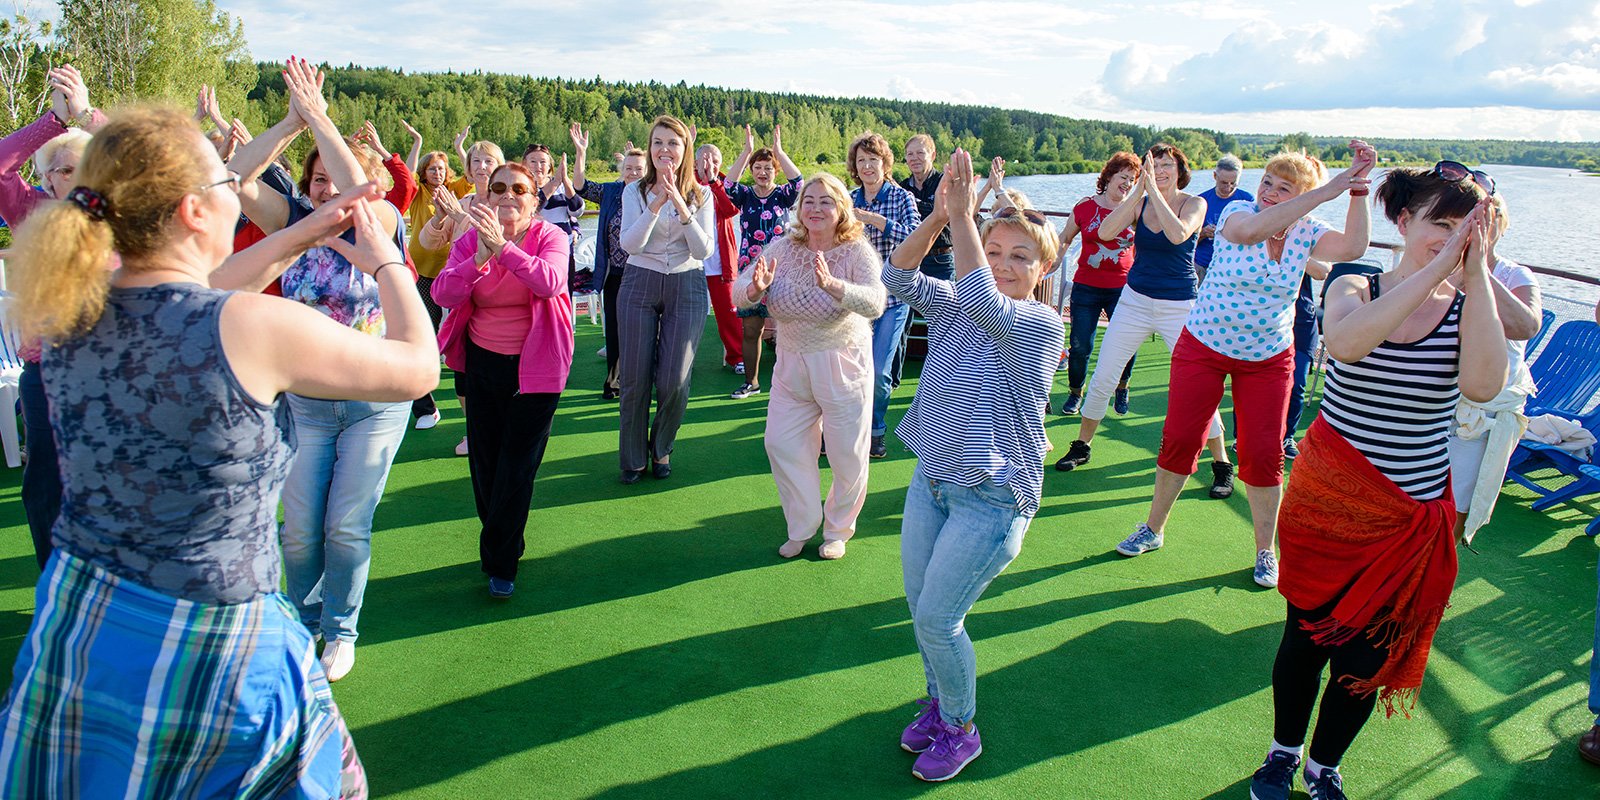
1101,264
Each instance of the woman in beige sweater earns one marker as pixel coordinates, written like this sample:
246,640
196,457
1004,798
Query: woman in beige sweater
822,287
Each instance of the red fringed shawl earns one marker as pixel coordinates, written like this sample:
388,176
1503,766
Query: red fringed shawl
1348,532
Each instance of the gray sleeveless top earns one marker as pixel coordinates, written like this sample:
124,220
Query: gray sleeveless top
170,471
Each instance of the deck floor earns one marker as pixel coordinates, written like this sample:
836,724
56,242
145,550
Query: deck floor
658,646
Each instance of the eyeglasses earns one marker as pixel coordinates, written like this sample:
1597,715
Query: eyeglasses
65,172
1457,171
232,182
1035,217
518,189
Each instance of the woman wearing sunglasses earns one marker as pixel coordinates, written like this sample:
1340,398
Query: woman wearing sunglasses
346,447
1241,331
510,332
1157,297
992,354
1369,555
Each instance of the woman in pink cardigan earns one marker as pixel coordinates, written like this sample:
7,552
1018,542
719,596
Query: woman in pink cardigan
509,333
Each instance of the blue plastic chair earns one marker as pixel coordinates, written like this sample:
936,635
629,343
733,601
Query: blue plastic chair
1591,475
1532,456
1549,320
1567,371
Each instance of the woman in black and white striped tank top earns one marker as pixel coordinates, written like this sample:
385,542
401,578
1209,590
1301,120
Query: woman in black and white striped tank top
1367,525
1395,405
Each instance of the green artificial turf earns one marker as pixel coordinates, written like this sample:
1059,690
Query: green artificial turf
657,645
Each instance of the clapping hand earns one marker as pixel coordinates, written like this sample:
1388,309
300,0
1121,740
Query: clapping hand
1449,259
304,85
336,215
777,138
749,139
69,97
491,234
373,248
446,204
997,173
369,134
825,280
956,187
760,279
580,140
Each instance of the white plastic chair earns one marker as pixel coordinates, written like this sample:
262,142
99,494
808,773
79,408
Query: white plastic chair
10,382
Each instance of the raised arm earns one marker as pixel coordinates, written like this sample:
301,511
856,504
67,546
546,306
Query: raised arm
416,147
460,146
263,203
580,149
1177,224
1352,328
790,169
1126,212
1484,360
304,84
736,169
266,338
909,254
252,269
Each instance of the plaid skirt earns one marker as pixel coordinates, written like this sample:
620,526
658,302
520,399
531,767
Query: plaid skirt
122,691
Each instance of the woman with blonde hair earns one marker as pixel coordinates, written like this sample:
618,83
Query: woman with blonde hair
821,285
163,660
1241,331
667,230
976,425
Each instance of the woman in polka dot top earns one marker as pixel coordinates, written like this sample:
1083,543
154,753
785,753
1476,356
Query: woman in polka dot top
1242,328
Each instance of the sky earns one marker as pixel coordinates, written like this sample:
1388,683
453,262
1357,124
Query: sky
1518,69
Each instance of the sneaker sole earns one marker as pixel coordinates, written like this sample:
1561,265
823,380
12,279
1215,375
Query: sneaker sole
1265,585
1135,552
956,772
908,748
1069,466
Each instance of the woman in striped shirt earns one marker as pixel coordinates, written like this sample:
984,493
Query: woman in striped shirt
992,353
1367,524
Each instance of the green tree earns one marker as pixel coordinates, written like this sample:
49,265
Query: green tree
25,56
155,49
1001,138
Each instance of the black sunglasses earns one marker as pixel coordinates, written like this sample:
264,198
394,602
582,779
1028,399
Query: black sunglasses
518,189
1028,214
1457,171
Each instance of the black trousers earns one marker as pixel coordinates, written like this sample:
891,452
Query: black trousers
424,405
613,284
41,476
508,431
1297,675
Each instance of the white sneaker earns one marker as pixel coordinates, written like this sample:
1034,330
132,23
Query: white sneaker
461,449
1266,572
337,659
738,369
428,421
601,352
831,549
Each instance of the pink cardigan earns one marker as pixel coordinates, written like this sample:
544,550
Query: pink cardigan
539,262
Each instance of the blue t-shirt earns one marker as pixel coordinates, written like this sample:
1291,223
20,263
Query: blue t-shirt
1214,206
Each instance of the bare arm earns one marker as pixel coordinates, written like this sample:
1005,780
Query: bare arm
736,169
1069,231
416,149
253,268
785,163
909,255
1123,215
1484,359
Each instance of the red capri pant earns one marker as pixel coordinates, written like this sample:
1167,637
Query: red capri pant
1260,404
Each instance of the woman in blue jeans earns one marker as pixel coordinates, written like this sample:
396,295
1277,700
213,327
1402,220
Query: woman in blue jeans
992,353
345,447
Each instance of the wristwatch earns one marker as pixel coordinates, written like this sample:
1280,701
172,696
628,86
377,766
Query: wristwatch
80,120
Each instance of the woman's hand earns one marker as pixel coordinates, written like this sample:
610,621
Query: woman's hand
997,174
1147,177
580,140
336,215
1476,259
369,134
956,187
304,85
461,140
749,140
760,279
1448,261
491,233
69,97
825,280
373,248
777,139
413,131
446,204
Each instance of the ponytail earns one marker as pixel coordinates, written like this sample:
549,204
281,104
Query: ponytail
60,269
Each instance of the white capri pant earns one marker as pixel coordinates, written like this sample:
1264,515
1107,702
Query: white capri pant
1136,319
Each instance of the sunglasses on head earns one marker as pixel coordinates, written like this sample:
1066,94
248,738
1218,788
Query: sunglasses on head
1457,171
518,189
1028,214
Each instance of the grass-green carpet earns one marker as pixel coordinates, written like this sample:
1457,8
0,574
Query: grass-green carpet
657,645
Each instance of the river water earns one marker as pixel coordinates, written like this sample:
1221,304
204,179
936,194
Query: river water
1555,217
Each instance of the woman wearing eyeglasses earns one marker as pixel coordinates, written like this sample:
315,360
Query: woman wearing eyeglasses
992,354
510,333
1367,525
346,447
1241,332
1157,297
667,227
163,661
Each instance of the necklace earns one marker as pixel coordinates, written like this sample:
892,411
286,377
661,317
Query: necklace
1280,235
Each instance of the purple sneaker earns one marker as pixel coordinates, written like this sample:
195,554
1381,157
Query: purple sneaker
953,749
918,736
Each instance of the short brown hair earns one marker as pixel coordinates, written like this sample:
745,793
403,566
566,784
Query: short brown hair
874,145
764,154
1162,150
1426,195
1118,162
371,166
534,148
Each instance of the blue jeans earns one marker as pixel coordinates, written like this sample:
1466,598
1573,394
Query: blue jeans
954,540
1594,661
41,476
1086,304
886,332
344,451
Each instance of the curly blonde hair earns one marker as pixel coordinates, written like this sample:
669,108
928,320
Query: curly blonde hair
1302,169
847,228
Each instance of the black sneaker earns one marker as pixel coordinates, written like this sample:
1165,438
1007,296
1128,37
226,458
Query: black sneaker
1221,480
1289,448
1077,455
1275,779
1327,786
878,448
1119,402
1074,402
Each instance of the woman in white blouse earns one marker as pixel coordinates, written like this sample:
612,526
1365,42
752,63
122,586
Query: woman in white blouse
667,229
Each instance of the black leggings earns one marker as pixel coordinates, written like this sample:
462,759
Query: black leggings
1297,676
